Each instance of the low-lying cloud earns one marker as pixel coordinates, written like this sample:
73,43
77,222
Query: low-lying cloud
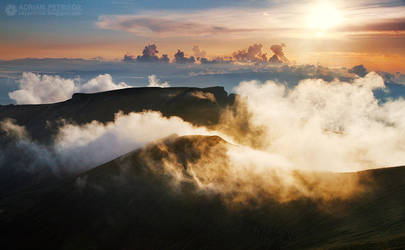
283,140
287,141
77,148
40,89
324,126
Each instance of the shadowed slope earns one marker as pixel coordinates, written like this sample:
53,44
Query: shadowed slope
133,203
200,106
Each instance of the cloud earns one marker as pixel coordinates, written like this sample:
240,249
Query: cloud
278,56
279,136
204,95
77,148
39,89
198,52
384,25
95,143
359,70
172,25
101,83
325,126
254,23
154,82
252,54
179,57
149,55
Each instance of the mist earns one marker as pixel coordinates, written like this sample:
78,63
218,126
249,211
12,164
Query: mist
278,142
286,143
78,148
317,125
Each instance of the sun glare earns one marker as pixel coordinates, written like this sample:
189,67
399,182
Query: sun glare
323,16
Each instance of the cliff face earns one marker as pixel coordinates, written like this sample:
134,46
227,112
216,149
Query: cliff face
200,106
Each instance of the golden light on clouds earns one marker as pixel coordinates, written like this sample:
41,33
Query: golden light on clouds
306,27
324,16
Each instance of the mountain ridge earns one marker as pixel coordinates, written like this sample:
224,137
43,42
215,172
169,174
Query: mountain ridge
127,203
43,120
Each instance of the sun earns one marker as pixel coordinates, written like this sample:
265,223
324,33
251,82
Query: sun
324,16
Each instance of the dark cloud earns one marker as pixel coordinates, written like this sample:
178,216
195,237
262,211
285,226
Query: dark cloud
359,70
149,54
397,24
253,54
179,57
128,58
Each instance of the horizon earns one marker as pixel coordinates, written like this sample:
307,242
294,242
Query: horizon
331,33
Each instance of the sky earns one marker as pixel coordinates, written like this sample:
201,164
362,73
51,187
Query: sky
332,33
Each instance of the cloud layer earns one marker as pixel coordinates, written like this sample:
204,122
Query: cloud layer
316,125
255,53
78,148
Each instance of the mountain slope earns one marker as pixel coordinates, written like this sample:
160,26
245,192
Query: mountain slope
133,203
200,106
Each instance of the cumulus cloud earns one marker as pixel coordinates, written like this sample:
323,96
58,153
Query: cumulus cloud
179,57
39,89
252,54
198,52
149,55
255,54
278,56
100,83
155,82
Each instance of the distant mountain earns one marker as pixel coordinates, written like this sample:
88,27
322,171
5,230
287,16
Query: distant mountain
200,106
130,203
